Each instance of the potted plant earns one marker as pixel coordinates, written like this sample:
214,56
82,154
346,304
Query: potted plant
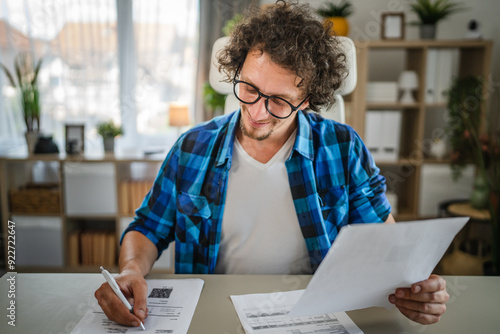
430,12
214,101
337,15
108,131
27,74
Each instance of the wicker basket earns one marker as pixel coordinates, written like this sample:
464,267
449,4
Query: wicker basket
40,198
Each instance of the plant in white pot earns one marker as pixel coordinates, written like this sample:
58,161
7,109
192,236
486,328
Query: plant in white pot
108,131
26,71
430,12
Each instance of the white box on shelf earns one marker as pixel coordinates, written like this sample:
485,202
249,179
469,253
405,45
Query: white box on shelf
90,189
430,76
391,135
446,70
166,260
39,241
437,185
382,91
382,134
373,130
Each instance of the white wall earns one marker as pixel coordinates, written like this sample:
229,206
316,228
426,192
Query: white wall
365,24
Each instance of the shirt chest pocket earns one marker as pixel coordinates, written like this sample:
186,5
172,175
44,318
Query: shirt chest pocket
194,218
334,205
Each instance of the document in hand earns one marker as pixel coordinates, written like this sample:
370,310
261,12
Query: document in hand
367,262
171,304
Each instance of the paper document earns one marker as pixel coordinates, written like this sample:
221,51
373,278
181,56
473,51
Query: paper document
267,313
367,262
171,304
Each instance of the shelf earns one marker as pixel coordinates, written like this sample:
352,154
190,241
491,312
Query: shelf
391,105
405,177
420,43
37,214
400,162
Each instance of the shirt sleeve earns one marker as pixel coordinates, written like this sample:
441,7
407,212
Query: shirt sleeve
155,218
367,200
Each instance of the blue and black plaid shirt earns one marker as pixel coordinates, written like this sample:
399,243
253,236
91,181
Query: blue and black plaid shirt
332,176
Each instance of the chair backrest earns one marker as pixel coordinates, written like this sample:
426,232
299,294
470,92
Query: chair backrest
337,112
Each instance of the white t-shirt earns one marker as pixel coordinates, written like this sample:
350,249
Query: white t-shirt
260,229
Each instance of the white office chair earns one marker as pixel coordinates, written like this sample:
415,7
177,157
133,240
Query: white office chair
337,112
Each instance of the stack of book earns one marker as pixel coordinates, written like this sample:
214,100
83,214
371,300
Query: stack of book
92,248
132,193
382,91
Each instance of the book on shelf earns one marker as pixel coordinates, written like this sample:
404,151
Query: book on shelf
132,193
98,248
74,248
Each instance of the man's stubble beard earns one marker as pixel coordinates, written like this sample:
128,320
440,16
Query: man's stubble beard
253,135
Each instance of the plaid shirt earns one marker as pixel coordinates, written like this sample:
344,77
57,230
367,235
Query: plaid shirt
332,176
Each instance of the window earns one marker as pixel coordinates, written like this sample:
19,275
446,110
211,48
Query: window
100,62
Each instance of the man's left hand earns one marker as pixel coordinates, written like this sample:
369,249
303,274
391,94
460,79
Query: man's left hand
424,302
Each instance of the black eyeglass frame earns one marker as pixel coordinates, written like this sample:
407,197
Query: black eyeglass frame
267,97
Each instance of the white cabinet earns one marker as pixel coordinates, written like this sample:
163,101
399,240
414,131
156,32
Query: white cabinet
90,189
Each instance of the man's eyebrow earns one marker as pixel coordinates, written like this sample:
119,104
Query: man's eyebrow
283,96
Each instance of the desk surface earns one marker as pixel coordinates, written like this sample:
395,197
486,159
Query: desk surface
55,303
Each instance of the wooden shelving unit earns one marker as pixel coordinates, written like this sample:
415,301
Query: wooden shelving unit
474,59
16,171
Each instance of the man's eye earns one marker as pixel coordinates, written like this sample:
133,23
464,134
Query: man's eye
278,102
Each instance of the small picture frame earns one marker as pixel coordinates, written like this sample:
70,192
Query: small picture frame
75,138
393,24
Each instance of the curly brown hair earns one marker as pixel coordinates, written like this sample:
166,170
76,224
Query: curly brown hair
294,39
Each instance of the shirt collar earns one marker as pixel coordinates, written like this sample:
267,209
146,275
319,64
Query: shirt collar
303,142
226,151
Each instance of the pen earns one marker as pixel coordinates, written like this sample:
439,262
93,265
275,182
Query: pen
118,292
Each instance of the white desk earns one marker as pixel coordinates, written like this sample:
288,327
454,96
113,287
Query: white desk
54,303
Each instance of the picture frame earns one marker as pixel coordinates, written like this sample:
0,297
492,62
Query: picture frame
393,24
75,138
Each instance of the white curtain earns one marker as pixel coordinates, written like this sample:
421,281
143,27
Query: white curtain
86,45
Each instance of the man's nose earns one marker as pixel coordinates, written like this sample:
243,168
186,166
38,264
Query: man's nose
258,110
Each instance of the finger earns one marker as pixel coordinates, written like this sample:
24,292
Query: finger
140,290
441,296
422,318
421,307
432,284
114,309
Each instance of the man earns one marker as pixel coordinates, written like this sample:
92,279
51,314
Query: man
267,188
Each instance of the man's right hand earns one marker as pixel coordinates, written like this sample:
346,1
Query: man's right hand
135,288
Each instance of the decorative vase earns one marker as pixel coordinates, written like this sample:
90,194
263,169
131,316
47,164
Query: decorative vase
31,140
428,31
340,26
438,149
109,144
479,197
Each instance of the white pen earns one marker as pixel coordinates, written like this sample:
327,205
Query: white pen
118,292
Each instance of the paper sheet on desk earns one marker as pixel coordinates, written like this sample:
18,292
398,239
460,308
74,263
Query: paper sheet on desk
171,304
367,262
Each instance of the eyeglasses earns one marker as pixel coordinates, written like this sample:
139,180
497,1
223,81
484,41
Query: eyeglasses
249,94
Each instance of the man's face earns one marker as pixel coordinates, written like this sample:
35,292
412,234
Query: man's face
271,79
